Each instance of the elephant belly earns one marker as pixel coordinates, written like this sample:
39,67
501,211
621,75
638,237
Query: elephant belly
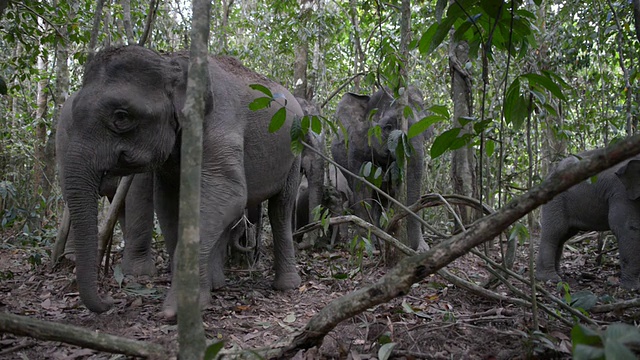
267,169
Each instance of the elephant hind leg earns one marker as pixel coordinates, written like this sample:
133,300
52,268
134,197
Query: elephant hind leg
555,232
280,215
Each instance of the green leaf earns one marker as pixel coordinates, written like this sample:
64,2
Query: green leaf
443,142
3,87
617,351
263,89
316,124
515,107
260,103
278,119
587,352
385,351
584,300
422,125
213,350
440,110
118,275
583,335
489,147
623,333
366,170
545,82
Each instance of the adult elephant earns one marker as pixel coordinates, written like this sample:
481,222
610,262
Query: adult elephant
358,114
136,216
612,202
312,167
125,119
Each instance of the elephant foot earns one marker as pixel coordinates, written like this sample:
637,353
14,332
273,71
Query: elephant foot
287,281
422,246
630,282
138,268
170,306
542,275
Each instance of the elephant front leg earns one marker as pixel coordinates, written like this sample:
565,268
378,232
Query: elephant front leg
625,224
138,234
554,233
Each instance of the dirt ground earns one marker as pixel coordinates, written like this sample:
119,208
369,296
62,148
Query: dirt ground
435,320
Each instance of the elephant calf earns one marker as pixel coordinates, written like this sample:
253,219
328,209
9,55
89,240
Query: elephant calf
612,202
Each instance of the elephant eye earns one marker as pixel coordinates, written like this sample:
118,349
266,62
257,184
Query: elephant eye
121,121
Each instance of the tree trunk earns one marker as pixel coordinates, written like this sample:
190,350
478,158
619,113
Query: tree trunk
95,29
126,19
41,184
462,161
148,26
358,54
302,51
60,95
224,25
191,337
553,148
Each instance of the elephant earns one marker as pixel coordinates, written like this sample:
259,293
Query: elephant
611,202
336,197
360,113
312,167
126,119
136,216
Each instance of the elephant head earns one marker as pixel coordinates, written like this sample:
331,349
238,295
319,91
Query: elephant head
126,92
629,175
358,114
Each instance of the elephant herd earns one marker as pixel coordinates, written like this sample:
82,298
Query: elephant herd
125,120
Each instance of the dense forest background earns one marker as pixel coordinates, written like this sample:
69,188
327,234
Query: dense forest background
511,87
568,83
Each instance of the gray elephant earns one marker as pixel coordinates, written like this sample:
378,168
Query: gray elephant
312,167
336,197
136,217
612,202
358,114
125,120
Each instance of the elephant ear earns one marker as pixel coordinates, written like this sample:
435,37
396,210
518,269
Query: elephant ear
629,174
176,83
352,110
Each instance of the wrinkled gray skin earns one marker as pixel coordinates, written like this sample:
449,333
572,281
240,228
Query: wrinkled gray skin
611,203
336,196
311,167
353,112
136,217
125,120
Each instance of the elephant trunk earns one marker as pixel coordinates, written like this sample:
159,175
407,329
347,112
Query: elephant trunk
81,185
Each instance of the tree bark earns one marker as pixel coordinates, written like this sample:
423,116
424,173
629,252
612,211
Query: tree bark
126,19
410,270
302,51
191,337
462,160
95,29
44,330
148,26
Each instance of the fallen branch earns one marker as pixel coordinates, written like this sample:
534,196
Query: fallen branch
45,330
410,270
617,306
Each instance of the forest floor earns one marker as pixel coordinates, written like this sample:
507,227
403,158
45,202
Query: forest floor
435,320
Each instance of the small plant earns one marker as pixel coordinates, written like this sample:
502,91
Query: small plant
611,343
